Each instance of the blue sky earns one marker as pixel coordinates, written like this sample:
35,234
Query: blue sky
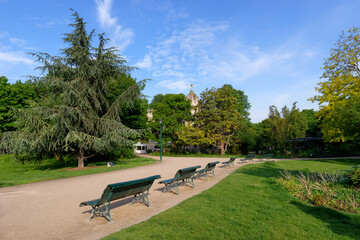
271,50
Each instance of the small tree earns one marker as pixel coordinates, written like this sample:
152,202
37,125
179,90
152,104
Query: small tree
218,117
76,116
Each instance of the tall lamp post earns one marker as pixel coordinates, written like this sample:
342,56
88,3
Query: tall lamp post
160,140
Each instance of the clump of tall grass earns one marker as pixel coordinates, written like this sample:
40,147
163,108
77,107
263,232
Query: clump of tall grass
337,189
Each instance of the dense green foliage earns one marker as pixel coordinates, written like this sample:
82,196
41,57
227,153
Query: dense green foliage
173,110
14,96
250,205
217,117
313,123
339,94
134,116
285,125
78,115
13,172
242,103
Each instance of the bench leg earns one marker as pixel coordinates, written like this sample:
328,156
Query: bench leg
226,165
189,180
141,198
199,175
171,186
102,211
212,172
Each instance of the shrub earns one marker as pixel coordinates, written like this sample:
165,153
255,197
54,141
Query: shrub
329,189
354,176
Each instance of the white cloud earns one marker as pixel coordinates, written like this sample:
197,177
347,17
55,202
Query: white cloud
180,86
144,63
202,52
119,35
17,41
174,14
47,24
105,18
15,57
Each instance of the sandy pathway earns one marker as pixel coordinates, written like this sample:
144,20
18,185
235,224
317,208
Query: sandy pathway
50,210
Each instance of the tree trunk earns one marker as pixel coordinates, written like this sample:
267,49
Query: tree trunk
222,148
80,157
58,156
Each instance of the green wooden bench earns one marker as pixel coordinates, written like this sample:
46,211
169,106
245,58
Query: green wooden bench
230,162
248,158
209,169
139,188
182,176
267,156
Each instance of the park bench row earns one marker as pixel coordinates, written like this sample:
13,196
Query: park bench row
140,189
249,158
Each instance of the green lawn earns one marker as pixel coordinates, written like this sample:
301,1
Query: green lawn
203,155
249,204
15,173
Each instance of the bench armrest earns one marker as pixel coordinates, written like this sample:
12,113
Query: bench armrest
90,203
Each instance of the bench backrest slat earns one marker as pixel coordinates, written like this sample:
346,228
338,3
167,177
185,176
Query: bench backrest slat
184,173
211,165
124,189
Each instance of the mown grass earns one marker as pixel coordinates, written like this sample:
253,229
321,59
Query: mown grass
249,204
204,155
15,173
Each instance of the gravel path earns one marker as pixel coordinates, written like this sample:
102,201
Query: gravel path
50,210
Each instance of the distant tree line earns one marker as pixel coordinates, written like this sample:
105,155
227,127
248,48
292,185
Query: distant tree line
87,105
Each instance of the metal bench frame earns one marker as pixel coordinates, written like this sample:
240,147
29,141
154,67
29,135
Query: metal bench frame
182,177
208,170
230,162
267,157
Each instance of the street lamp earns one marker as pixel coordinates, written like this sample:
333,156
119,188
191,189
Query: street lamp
160,140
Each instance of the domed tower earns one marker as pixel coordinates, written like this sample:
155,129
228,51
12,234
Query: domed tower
194,99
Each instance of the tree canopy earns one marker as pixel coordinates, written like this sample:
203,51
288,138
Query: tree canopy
14,96
286,124
242,102
218,117
77,116
173,110
339,94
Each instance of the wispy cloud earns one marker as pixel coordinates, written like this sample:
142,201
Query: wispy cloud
165,8
17,41
181,85
202,51
120,36
146,63
15,58
174,14
13,50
